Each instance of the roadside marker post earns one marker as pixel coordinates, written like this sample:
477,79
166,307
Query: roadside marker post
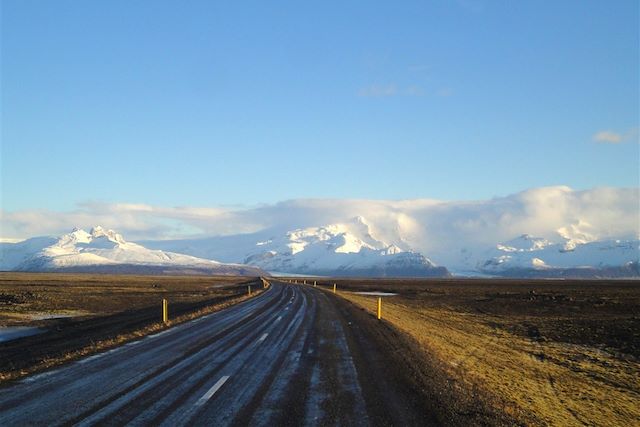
314,283
249,289
379,308
304,282
334,288
165,310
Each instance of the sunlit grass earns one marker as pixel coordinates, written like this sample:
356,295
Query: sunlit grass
550,382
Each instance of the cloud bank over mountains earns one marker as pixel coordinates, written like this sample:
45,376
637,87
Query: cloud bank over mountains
442,230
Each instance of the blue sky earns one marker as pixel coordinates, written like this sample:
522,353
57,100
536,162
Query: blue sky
203,104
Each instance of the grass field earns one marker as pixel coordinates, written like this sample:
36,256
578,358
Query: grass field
83,314
545,352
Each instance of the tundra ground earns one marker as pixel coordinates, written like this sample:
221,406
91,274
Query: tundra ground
544,352
447,351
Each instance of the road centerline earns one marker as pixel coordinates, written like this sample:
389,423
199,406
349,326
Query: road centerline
205,397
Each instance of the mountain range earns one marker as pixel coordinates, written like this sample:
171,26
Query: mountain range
529,256
343,249
347,249
105,251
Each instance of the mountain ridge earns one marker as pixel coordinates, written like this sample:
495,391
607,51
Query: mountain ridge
105,251
348,248
529,256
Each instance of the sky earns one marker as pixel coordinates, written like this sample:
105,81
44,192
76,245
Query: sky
237,104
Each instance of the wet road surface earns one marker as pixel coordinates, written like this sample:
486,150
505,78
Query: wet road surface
281,358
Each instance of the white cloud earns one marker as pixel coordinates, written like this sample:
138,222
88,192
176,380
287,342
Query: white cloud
440,229
611,137
134,220
607,137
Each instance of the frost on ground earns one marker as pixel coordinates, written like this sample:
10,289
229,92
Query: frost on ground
9,333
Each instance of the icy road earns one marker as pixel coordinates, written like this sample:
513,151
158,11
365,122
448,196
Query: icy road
281,358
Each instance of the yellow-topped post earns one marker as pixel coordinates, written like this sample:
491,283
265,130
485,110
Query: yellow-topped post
379,308
334,288
165,310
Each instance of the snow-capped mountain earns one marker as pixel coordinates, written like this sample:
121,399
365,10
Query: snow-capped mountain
352,248
105,251
342,249
455,234
533,256
348,248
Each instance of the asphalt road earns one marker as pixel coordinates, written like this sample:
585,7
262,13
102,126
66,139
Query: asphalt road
282,358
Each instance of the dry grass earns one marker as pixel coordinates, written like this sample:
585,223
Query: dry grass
543,382
25,295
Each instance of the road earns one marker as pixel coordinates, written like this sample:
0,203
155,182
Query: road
282,358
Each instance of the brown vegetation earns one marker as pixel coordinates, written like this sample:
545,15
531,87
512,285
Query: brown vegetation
544,352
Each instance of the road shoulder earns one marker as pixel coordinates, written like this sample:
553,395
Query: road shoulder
403,384
76,340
